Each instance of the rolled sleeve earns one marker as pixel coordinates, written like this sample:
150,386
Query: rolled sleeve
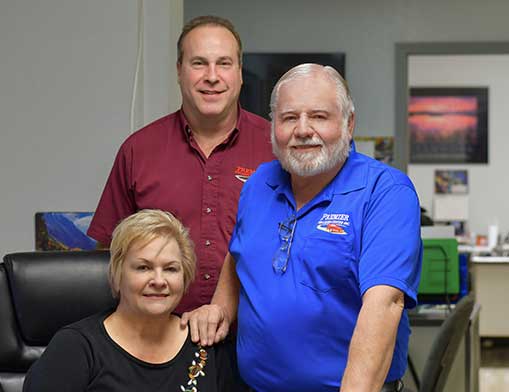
391,251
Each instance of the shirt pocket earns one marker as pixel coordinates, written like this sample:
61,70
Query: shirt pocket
326,263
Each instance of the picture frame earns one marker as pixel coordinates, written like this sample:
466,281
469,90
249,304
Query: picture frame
379,147
451,181
63,230
448,124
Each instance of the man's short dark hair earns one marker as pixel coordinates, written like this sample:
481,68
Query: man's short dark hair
207,20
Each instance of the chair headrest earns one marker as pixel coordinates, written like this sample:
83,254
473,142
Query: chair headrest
53,289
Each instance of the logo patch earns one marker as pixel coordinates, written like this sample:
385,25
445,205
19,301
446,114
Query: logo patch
334,223
243,173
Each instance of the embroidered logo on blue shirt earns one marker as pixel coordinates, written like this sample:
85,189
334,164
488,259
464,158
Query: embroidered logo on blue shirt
334,223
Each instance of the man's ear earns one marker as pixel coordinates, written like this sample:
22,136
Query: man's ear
351,124
179,70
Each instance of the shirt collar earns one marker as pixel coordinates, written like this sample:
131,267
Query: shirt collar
186,129
353,175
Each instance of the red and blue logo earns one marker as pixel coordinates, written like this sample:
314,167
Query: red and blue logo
334,223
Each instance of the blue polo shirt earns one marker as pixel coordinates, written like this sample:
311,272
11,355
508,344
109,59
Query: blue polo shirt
361,230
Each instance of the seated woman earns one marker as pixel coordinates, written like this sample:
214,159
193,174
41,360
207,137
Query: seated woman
140,345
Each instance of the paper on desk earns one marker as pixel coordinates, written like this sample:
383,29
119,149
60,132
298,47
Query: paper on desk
450,207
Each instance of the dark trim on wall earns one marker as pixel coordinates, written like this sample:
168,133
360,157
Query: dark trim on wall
403,50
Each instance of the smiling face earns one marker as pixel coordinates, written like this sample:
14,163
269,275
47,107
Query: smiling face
210,75
309,135
152,279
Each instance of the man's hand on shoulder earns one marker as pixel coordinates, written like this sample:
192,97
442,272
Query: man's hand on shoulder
209,324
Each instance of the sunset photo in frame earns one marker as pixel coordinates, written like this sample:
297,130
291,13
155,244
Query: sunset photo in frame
448,125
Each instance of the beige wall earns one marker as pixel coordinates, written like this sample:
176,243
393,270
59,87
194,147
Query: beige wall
66,78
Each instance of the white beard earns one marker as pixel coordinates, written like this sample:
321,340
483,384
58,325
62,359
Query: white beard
305,164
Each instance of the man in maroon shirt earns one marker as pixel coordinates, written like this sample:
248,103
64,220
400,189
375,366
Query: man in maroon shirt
193,162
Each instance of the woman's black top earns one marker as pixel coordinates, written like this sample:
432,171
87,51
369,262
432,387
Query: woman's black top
83,357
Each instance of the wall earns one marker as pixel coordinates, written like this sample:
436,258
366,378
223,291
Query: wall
367,32
67,70
488,184
66,77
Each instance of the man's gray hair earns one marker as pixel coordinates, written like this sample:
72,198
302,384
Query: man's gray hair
345,101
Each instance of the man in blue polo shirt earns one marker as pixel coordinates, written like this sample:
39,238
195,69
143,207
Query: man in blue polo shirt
325,255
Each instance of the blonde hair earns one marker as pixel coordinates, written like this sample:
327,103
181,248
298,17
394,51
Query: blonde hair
142,228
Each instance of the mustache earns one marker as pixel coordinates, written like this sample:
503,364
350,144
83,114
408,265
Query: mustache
312,141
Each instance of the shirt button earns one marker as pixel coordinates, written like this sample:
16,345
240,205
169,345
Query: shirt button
209,178
206,276
207,243
208,210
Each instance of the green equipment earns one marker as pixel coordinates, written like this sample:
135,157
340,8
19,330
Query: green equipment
440,276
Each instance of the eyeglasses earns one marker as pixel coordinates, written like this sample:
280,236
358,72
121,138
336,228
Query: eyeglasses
286,230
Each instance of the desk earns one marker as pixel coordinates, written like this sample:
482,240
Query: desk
490,279
464,375
490,259
474,249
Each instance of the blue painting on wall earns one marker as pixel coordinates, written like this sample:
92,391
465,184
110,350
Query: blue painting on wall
63,231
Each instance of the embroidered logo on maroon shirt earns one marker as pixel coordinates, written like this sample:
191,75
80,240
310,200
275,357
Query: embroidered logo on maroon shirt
243,173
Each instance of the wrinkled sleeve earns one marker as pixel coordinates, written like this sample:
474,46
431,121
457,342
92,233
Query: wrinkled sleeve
391,243
64,366
117,200
239,228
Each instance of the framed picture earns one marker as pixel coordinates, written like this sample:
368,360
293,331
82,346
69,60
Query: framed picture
261,71
451,181
59,230
448,125
379,147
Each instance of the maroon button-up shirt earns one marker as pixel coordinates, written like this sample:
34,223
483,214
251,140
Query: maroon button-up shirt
161,166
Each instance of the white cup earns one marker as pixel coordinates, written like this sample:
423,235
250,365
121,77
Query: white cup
492,236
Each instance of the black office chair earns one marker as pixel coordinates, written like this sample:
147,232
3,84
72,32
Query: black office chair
40,292
445,347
